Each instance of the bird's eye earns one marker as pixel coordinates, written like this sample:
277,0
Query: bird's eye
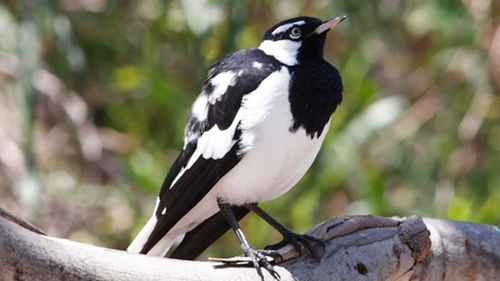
295,33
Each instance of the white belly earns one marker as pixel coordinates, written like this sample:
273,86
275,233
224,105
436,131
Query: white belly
271,168
268,170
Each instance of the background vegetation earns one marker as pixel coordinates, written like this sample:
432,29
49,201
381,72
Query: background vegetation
94,95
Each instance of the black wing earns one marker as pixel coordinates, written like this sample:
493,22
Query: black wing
193,174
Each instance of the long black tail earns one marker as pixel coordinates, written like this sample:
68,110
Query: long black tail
200,238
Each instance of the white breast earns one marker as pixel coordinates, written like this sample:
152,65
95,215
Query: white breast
274,157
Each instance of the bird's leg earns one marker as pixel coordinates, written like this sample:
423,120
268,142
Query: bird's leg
289,237
258,258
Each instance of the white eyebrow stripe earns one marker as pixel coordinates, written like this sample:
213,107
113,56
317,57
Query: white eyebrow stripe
285,27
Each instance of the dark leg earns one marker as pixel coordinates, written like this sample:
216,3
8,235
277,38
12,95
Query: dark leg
258,257
202,236
289,237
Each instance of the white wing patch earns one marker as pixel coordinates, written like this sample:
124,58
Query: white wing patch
221,82
215,143
212,144
285,27
257,64
200,107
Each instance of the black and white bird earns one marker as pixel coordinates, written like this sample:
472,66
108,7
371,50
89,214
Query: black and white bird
254,130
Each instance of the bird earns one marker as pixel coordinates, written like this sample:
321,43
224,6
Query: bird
254,130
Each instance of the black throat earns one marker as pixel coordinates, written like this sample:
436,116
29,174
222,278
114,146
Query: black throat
315,92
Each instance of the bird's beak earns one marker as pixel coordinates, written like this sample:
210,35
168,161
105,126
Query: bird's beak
329,24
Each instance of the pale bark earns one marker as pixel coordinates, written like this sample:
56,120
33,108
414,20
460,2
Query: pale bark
357,248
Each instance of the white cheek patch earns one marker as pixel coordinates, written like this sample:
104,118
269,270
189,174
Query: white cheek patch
221,82
285,27
284,51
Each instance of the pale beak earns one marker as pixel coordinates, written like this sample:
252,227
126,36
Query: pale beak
329,24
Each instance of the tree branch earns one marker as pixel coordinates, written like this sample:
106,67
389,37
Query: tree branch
357,248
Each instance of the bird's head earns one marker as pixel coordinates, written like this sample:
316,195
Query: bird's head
296,39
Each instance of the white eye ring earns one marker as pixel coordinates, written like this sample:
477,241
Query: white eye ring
295,33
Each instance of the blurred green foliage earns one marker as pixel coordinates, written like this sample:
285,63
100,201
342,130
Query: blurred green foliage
94,96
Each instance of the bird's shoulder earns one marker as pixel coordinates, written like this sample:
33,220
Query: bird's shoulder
252,61
228,81
211,131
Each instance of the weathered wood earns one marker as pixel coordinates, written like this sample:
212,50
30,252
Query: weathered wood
357,248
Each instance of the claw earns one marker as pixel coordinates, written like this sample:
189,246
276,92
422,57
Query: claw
306,241
296,240
259,260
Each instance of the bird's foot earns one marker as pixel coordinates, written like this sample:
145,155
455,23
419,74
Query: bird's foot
257,258
262,259
297,240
